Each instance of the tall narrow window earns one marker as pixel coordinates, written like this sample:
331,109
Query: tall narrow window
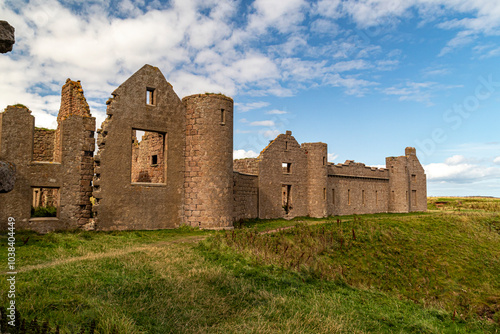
376,197
286,197
413,178
414,197
324,193
324,161
363,197
333,196
286,145
150,96
348,196
407,196
222,117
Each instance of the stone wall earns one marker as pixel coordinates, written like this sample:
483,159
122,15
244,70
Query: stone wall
43,144
69,178
246,196
246,166
209,161
357,189
282,187
147,102
317,171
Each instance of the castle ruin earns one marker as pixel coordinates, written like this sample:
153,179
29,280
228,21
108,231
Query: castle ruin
163,162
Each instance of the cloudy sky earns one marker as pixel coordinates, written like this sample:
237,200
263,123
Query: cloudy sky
368,77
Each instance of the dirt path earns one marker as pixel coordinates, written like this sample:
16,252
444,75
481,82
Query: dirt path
111,253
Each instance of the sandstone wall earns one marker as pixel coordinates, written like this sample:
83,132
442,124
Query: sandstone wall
146,102
246,196
246,166
317,172
43,144
71,176
282,192
209,161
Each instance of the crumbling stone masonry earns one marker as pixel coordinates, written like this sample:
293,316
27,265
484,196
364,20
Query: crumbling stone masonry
296,180
163,162
68,169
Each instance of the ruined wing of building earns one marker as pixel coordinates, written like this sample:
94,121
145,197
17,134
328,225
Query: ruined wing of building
163,162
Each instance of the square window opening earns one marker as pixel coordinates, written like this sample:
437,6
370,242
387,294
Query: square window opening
45,202
149,152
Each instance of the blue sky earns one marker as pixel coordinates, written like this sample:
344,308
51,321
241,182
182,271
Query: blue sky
368,77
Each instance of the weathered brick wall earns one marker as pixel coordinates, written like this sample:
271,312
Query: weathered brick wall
317,172
246,196
209,161
143,169
357,188
276,184
407,183
246,166
357,195
73,102
71,176
120,203
43,144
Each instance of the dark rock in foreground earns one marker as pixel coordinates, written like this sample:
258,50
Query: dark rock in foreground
7,39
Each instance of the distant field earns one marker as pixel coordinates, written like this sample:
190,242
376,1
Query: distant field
434,272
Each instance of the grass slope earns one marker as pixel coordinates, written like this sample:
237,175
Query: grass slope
437,272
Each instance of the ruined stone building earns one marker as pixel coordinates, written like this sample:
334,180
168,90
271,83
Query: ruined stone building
163,162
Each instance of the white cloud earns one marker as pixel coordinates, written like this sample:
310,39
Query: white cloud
270,134
332,157
456,169
242,154
455,160
244,107
263,123
497,160
276,112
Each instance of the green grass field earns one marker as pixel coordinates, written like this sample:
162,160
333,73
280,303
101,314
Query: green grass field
434,272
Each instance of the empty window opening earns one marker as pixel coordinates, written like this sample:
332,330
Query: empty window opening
393,196
333,196
149,149
150,96
324,161
45,202
324,193
406,196
287,167
414,197
363,197
222,117
376,197
286,197
413,178
286,145
348,196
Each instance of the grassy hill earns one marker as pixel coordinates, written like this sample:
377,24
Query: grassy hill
434,272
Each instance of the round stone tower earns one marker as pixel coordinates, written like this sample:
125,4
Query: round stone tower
208,179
